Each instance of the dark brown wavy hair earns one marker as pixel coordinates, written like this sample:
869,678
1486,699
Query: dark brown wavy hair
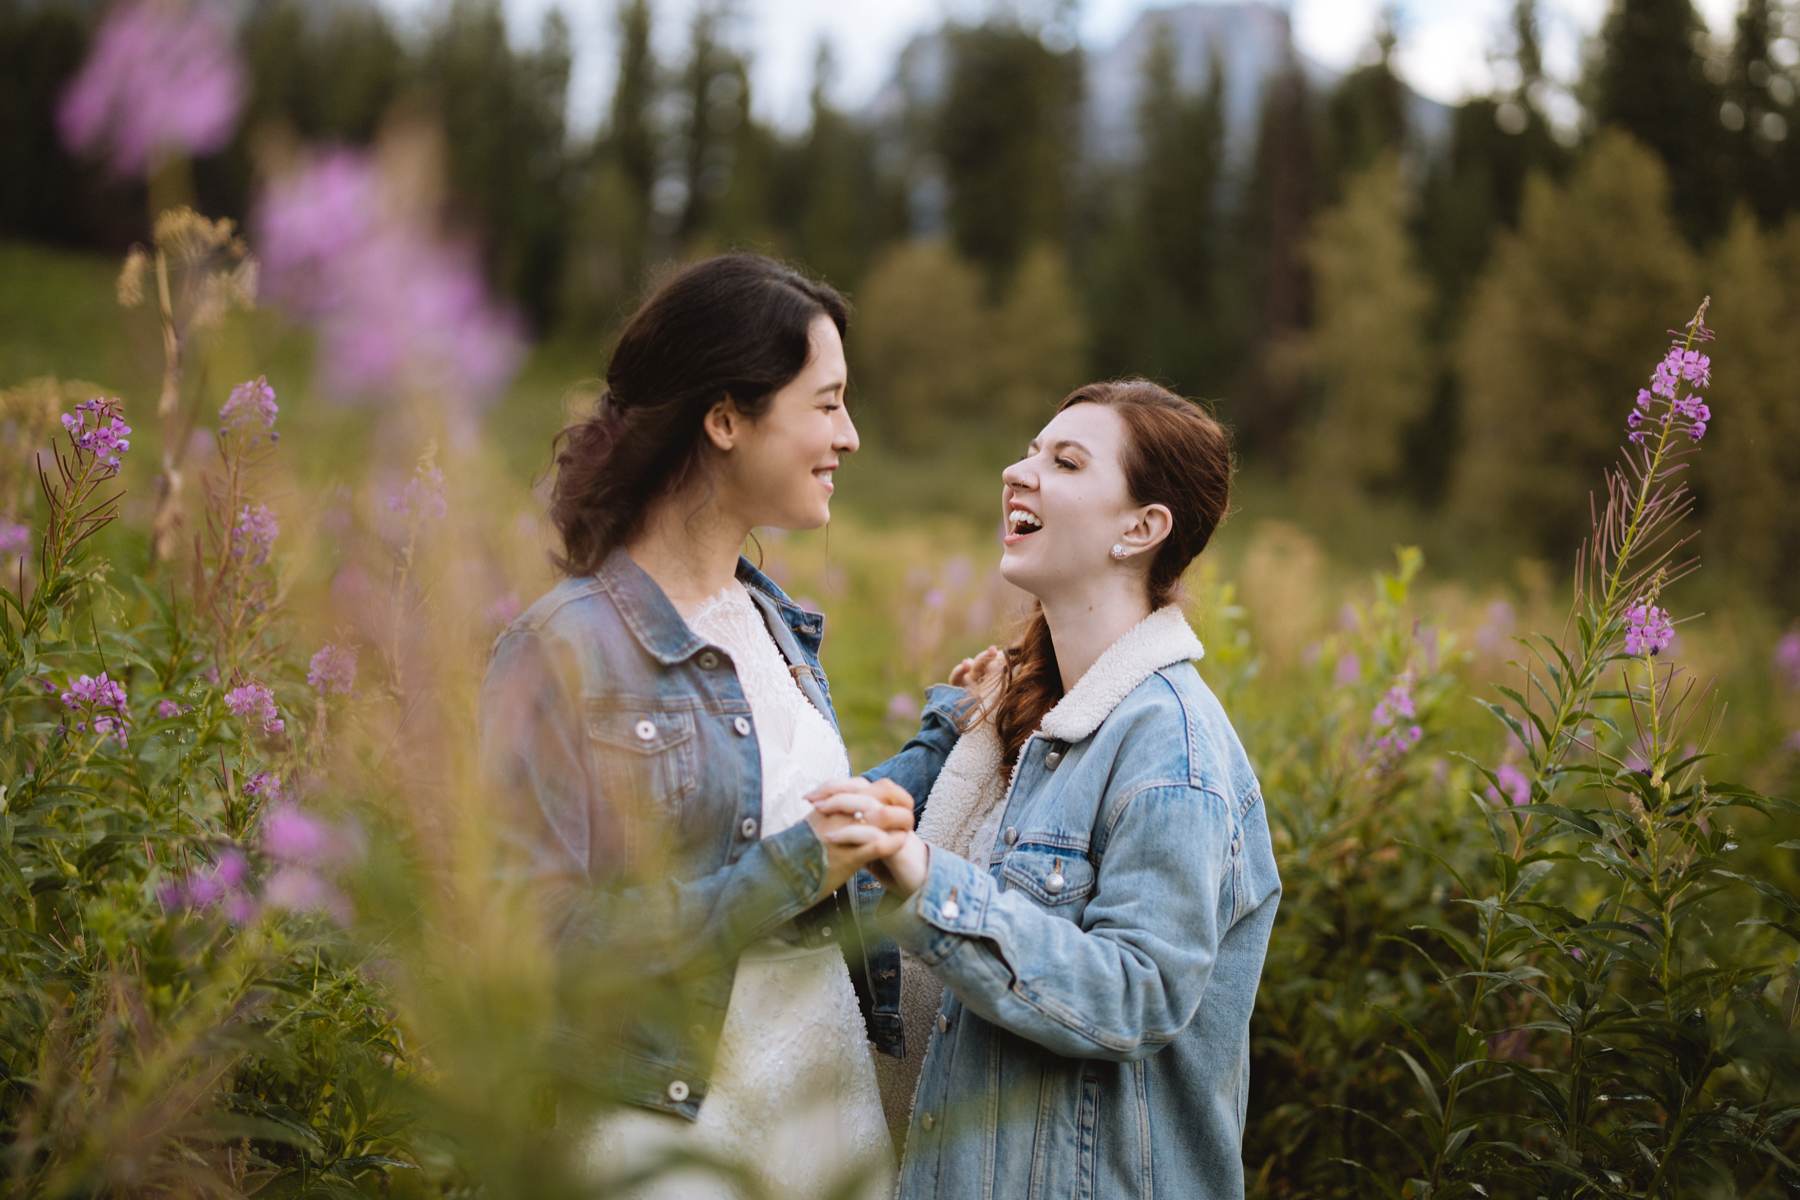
736,326
1176,454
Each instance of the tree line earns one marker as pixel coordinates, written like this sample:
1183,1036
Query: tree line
1451,323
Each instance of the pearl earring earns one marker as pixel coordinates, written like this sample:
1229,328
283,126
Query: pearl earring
1118,552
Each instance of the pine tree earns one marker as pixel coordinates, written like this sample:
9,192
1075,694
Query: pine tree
1759,114
1368,347
1276,209
1650,81
1365,116
921,353
1748,473
1038,346
1008,134
1557,333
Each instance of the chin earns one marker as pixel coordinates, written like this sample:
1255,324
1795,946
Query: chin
1017,574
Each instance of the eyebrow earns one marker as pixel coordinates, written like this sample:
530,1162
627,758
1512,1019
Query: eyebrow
829,388
1065,444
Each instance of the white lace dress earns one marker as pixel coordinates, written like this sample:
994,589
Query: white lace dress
793,1097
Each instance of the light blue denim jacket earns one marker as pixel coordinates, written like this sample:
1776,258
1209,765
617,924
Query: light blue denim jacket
621,750
1101,962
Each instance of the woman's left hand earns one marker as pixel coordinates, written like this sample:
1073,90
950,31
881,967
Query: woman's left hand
889,807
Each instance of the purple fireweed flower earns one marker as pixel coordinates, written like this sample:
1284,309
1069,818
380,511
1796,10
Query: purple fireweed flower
102,702
162,79
254,534
300,890
1649,630
1786,658
250,410
1348,669
1513,787
291,836
935,598
15,538
253,701
1687,414
393,303
264,785
332,669
96,428
423,497
1397,703
167,709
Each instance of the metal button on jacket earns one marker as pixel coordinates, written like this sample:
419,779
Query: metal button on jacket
1055,883
951,911
708,659
678,1091
1053,760
645,729
926,1121
943,1023
748,827
1012,834
742,725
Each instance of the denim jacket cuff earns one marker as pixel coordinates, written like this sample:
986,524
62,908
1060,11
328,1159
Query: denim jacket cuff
800,856
945,700
952,903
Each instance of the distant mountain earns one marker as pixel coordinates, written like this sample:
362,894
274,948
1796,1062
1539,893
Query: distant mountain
1251,41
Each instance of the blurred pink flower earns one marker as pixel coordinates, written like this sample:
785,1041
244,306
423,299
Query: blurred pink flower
394,304
1348,671
902,707
162,78
300,890
253,701
1513,787
15,538
332,669
291,836
1786,659
251,409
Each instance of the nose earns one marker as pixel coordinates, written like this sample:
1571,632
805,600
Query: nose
845,441
1019,476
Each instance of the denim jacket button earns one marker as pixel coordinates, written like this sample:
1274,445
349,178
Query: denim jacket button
1012,835
678,1091
1053,760
742,725
709,660
926,1121
1055,883
645,729
943,1023
748,827
950,910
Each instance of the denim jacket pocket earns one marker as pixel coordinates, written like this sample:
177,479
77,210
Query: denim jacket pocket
647,753
1051,875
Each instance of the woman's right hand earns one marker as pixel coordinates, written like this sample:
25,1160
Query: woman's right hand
852,844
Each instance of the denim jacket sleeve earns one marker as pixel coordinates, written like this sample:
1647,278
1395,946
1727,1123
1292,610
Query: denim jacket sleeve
564,840
1124,981
917,764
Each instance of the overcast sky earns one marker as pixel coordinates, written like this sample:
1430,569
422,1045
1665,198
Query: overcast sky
1444,52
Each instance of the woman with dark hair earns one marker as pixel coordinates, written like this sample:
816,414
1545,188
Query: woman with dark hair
656,720
1092,884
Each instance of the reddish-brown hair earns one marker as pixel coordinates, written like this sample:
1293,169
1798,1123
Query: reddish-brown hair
1177,455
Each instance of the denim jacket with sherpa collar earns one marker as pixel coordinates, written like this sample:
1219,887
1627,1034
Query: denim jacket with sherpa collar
1100,957
616,737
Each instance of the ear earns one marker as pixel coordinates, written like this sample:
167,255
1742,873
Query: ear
723,424
1154,523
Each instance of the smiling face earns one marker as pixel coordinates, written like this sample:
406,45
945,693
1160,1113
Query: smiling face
779,469
1066,502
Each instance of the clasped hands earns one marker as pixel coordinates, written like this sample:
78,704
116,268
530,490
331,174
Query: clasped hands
869,823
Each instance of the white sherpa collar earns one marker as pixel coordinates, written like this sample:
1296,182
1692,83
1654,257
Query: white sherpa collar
1161,639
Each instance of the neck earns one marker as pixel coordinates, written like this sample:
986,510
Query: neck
689,546
1088,619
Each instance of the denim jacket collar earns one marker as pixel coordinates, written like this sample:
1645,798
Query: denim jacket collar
1160,640
659,627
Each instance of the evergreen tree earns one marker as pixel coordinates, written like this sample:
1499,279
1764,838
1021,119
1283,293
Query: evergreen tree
831,191
1558,330
1277,207
1650,81
1038,347
1365,115
1758,114
1368,347
922,353
1748,473
1008,133
712,94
